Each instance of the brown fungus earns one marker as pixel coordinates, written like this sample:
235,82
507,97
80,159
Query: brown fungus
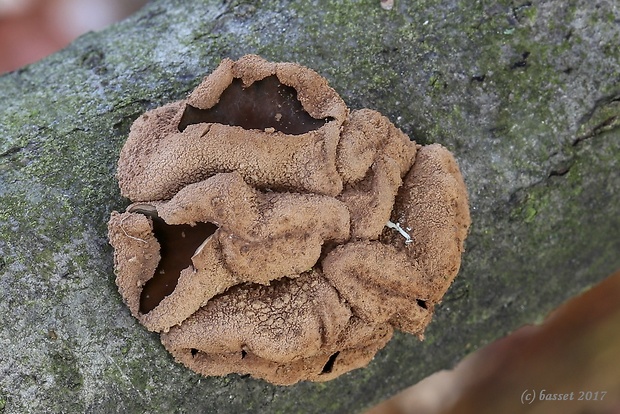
275,234
266,103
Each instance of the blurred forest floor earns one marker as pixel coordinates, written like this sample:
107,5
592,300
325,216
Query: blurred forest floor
33,29
576,350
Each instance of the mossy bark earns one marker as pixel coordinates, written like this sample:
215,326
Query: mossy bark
524,93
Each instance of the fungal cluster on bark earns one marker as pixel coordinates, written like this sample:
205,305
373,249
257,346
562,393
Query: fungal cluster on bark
275,233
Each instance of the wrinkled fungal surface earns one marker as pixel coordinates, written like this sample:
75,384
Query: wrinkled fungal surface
275,233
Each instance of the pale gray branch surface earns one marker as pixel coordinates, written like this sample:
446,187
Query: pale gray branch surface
526,94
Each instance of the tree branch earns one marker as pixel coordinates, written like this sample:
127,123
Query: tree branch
513,96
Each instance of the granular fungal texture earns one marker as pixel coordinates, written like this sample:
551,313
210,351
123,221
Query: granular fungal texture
275,233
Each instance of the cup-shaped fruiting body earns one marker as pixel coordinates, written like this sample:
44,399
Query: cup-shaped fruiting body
277,124
275,234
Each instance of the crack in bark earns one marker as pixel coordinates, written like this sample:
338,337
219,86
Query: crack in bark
560,172
609,124
11,151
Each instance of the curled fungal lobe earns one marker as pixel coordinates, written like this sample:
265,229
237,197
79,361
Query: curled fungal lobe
275,233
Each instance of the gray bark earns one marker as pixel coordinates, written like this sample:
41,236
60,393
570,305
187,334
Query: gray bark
526,94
